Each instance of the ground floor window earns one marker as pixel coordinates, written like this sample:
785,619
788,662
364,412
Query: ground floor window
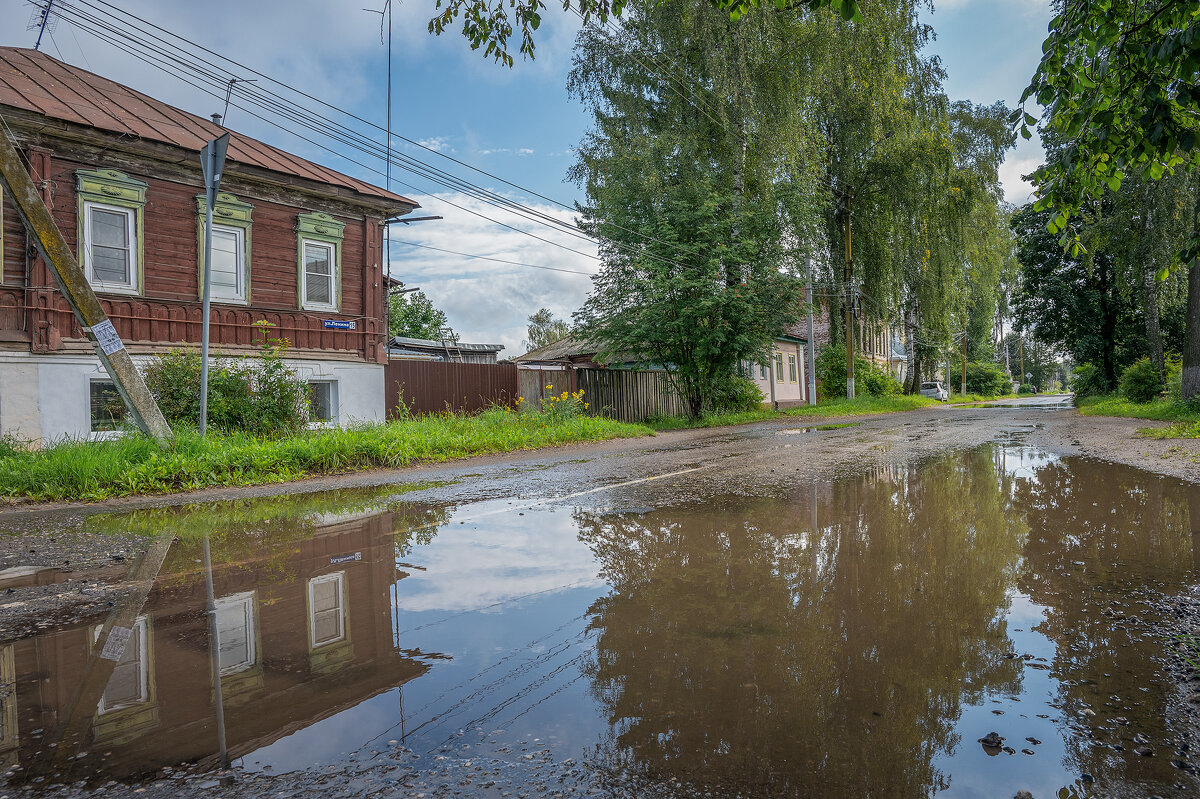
130,680
323,399
778,367
792,375
236,633
107,407
326,617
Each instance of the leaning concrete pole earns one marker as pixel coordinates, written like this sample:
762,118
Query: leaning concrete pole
74,286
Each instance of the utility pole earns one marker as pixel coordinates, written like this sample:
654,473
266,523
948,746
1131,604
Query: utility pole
812,343
1021,353
73,284
212,161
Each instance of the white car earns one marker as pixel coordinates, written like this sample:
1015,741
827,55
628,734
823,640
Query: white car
935,391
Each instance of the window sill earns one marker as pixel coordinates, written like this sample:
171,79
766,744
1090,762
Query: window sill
321,308
127,291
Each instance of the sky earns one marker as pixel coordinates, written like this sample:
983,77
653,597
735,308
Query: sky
517,125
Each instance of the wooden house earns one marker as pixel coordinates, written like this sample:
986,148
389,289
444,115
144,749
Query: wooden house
297,251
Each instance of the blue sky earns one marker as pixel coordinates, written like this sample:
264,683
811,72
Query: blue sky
517,124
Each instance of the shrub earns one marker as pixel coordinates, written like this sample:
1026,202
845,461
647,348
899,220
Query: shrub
987,379
868,378
1087,380
1141,381
1026,389
734,394
1174,379
255,394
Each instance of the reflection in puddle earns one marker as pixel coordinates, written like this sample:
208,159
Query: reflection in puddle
854,638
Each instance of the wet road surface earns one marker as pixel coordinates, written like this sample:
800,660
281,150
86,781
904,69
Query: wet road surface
773,610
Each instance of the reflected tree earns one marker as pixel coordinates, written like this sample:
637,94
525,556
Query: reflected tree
744,647
1105,542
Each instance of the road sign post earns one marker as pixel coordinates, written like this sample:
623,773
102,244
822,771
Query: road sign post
212,161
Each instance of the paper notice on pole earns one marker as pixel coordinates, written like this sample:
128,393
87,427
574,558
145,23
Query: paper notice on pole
107,338
114,647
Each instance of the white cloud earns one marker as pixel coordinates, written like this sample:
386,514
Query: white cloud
1017,190
524,151
438,144
489,302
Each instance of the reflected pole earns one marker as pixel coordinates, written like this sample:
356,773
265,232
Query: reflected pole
214,652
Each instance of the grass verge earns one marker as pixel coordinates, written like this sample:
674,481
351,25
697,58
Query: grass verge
710,420
862,406
959,399
1185,415
96,470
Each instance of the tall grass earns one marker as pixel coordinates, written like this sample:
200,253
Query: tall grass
1185,415
862,406
96,470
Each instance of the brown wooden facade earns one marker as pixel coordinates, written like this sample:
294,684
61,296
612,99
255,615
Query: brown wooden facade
167,311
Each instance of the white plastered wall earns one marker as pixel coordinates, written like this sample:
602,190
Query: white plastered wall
47,398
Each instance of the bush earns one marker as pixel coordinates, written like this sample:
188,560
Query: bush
1174,378
987,379
1141,381
735,394
868,378
1026,389
1087,380
258,395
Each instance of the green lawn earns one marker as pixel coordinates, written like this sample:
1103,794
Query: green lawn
133,464
1185,415
862,406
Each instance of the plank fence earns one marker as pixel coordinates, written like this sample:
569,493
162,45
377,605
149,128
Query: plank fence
437,386
631,396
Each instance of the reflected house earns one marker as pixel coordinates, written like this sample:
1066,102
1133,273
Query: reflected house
304,631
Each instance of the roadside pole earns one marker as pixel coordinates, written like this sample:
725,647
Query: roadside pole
964,380
812,344
212,161
73,284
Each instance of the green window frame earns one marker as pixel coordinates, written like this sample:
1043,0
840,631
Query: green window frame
315,233
114,194
232,218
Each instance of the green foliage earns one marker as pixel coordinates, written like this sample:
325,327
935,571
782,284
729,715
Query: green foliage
1141,381
413,315
1088,381
488,25
711,419
1093,55
545,329
256,394
869,379
1174,378
733,395
1026,388
96,470
987,379
1184,414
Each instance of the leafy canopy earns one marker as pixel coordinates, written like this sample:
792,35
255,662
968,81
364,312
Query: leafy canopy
413,315
488,24
545,329
1118,82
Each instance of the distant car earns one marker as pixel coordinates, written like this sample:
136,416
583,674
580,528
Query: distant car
935,391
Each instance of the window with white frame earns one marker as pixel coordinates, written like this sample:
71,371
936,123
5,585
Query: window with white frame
778,367
793,377
326,609
110,253
319,244
319,291
323,400
228,271
110,229
130,680
236,632
762,371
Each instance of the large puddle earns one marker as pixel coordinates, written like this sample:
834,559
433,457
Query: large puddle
851,639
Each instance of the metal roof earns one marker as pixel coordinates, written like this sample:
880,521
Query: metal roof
33,81
430,344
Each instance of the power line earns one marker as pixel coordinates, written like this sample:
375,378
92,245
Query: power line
294,112
489,258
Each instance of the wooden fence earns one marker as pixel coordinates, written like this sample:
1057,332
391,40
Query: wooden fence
435,386
628,395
